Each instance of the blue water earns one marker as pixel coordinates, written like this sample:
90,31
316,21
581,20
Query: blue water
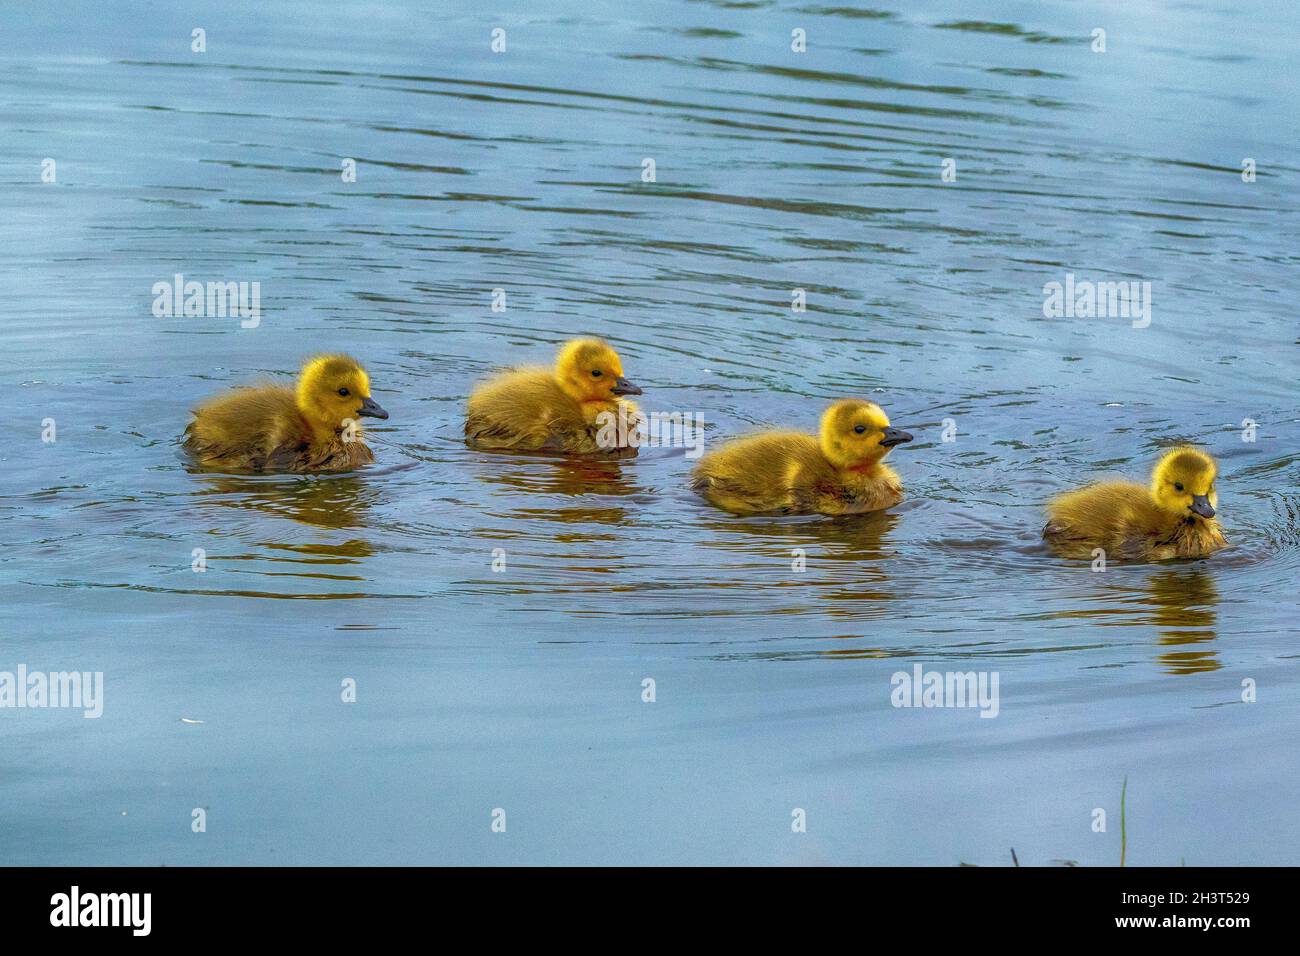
521,689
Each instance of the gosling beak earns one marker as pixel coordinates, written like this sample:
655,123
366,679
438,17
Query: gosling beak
623,387
1201,506
371,408
894,436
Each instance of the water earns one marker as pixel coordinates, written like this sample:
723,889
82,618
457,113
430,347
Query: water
521,689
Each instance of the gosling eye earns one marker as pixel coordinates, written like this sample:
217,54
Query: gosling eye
343,392
1178,486
859,428
595,373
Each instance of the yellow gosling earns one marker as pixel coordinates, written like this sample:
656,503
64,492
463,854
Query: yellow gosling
559,409
277,428
1173,518
840,472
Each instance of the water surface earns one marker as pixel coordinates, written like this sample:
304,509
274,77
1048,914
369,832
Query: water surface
522,688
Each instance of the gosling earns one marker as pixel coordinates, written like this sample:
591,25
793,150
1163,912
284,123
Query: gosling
572,408
312,427
839,472
1173,518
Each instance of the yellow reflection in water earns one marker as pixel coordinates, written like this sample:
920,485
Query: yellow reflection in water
855,538
574,477
1180,601
560,475
334,502
838,567
582,504
1183,607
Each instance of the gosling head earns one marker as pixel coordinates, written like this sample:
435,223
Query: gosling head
856,434
589,371
332,388
1183,483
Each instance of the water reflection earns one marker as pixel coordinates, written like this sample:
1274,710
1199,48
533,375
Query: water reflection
838,567
1183,604
559,475
853,538
525,480
334,502
825,178
1178,601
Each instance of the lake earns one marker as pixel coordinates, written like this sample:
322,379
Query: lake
877,215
